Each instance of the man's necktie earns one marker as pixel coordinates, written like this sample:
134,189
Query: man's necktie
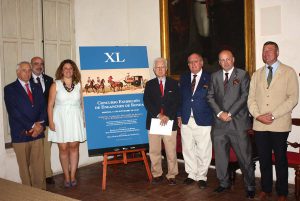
226,81
161,87
270,75
29,93
193,83
39,81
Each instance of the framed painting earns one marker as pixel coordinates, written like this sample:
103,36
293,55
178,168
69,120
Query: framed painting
206,27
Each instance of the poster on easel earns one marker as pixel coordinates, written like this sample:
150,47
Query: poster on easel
113,81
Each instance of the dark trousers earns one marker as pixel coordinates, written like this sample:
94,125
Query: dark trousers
267,142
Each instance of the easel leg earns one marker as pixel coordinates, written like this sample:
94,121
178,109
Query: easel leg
104,172
146,165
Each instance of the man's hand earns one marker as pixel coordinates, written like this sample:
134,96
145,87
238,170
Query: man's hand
265,118
163,119
224,116
179,121
37,129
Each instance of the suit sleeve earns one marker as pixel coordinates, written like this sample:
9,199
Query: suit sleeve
292,94
173,102
43,108
147,101
211,97
242,101
14,110
252,104
180,98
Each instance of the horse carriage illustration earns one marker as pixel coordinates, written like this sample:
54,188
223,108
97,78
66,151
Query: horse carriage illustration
97,87
136,80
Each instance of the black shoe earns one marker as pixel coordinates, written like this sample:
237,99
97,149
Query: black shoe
157,180
50,180
202,184
250,194
221,189
188,181
172,181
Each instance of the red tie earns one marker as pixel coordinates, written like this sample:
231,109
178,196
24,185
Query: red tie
29,93
161,87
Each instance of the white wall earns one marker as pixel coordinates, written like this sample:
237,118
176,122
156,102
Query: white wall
278,21
99,23
118,23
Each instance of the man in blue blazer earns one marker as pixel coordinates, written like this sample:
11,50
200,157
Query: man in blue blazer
45,81
161,100
26,109
195,119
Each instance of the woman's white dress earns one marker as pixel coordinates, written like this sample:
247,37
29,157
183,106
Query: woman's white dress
67,116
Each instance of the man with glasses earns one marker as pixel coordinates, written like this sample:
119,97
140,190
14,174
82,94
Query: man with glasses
161,100
44,81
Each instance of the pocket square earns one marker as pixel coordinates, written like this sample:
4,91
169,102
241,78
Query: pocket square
236,81
205,86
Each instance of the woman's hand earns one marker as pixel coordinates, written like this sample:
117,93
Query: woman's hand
52,126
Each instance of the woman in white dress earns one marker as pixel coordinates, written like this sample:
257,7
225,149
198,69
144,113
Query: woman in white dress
66,121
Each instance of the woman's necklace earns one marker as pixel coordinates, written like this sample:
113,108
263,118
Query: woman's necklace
67,88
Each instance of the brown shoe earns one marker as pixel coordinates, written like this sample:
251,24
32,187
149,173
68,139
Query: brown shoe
171,181
282,198
263,196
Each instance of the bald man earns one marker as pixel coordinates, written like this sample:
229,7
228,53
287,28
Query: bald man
227,96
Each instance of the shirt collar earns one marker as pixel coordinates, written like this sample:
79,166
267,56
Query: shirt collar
163,79
34,76
274,66
198,74
229,72
23,83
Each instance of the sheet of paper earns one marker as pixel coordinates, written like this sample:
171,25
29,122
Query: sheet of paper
157,129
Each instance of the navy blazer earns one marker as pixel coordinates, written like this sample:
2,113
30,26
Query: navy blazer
153,101
48,82
198,102
21,113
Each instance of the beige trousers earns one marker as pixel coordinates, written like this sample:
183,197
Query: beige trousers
31,163
155,154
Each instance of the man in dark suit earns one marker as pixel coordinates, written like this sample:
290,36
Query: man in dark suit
26,109
227,96
45,81
195,119
161,100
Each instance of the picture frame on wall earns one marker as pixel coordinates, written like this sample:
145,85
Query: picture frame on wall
206,27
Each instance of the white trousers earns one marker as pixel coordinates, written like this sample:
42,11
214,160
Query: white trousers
196,149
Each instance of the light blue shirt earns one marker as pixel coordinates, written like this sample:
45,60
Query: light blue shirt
274,66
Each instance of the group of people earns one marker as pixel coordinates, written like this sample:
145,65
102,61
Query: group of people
41,111
213,112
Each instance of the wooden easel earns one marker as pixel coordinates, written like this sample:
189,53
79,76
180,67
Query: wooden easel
124,160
